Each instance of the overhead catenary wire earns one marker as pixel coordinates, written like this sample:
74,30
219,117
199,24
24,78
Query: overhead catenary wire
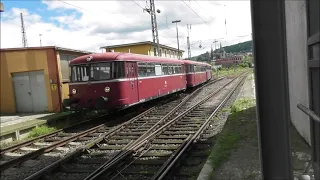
89,10
196,14
203,8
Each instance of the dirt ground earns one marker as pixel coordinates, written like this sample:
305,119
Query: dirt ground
243,162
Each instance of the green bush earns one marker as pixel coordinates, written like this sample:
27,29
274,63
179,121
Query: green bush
241,104
41,130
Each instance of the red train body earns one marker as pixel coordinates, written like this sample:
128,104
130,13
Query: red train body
117,80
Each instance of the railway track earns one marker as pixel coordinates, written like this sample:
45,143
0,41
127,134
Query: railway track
48,148
158,152
102,142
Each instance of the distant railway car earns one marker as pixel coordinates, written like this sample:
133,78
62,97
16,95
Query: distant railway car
197,72
117,80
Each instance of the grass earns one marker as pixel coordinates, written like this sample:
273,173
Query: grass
229,71
35,132
41,130
241,104
228,140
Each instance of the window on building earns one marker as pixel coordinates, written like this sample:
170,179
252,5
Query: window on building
165,53
160,52
155,51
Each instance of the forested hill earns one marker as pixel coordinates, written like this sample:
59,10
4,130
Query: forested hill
240,47
235,48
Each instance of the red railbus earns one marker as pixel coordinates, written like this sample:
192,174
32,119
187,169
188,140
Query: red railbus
118,80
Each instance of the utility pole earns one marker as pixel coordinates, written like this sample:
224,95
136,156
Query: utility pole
215,47
24,37
188,42
176,21
155,36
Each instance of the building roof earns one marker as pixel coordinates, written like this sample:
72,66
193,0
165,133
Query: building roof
45,47
139,43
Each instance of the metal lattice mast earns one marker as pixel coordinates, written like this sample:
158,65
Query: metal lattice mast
155,36
24,36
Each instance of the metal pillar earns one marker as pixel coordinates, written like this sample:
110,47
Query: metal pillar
269,44
40,40
23,31
188,42
176,21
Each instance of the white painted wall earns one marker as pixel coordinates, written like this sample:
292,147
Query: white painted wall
296,28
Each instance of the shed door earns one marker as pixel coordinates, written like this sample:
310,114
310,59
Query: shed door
38,91
22,92
30,92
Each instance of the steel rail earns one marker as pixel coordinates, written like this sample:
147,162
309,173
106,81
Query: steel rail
165,168
62,142
40,151
88,145
26,143
112,131
128,150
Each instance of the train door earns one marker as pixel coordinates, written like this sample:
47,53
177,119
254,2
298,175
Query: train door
132,75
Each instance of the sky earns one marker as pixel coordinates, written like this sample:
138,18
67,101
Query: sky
89,25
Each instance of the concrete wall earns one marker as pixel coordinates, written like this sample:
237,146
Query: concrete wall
296,28
24,61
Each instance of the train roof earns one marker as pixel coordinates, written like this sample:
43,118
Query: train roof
119,56
196,62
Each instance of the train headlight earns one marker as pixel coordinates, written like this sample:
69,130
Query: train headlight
107,89
74,91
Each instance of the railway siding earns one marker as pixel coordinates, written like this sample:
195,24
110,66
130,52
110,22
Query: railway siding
109,144
148,160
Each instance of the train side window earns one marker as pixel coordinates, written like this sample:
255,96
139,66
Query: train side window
158,70
170,71
118,70
173,66
176,67
150,69
142,69
164,69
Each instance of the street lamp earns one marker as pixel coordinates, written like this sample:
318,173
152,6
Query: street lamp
176,21
40,35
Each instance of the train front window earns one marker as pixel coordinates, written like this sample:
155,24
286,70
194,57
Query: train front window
80,73
100,71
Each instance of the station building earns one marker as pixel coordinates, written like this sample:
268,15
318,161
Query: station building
35,79
145,48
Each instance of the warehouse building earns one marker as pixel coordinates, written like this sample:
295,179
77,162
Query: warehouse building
35,79
145,48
